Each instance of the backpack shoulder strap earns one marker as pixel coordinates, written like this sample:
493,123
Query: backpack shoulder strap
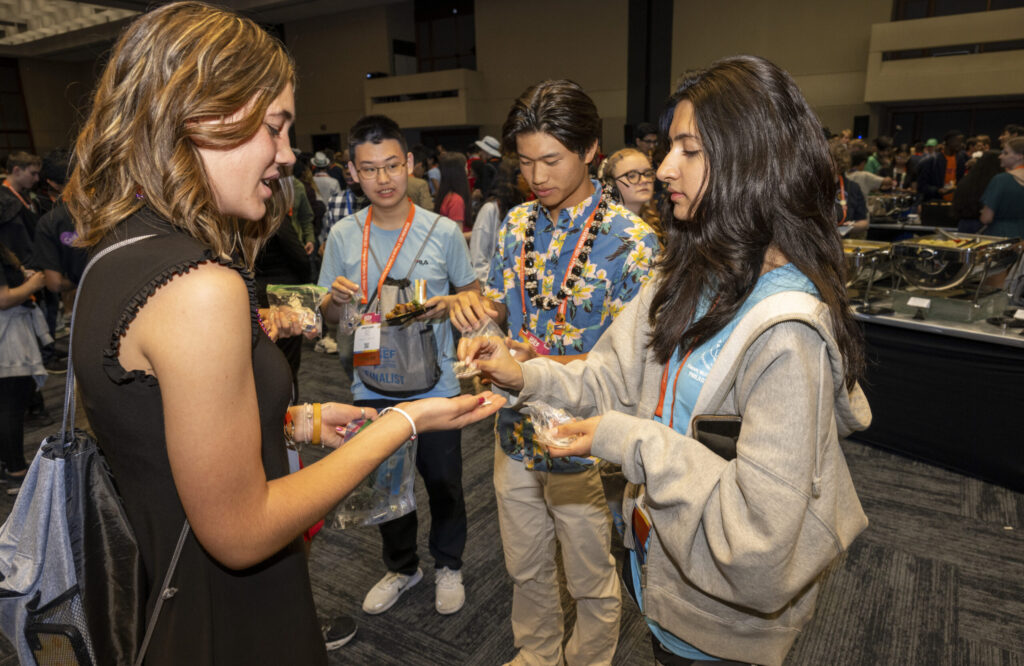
412,266
67,425
777,308
166,592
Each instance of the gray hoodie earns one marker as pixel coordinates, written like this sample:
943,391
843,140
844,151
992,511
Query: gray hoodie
737,547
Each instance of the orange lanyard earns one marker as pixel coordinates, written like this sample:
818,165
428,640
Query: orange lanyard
563,306
394,252
675,382
20,198
842,198
664,387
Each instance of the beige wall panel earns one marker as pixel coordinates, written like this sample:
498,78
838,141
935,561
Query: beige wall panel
972,75
823,45
802,36
977,75
521,43
334,53
830,96
56,97
994,26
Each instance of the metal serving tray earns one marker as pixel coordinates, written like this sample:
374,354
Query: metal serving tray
863,257
948,259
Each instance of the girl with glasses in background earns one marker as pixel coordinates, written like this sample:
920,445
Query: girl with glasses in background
630,176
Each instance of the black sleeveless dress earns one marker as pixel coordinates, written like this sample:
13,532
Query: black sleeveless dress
261,615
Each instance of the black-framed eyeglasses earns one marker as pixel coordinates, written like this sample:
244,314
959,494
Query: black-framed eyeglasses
633,177
391,168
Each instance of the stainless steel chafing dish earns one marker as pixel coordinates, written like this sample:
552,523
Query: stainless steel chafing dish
889,205
863,257
948,259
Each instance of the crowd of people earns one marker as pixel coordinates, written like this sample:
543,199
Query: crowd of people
961,181
697,273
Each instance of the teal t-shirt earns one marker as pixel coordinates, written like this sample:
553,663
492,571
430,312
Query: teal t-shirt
683,398
1005,196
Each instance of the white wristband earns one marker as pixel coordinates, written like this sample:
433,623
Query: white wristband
403,413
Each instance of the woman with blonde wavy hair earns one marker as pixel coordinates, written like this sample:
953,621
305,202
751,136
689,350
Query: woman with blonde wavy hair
188,397
629,175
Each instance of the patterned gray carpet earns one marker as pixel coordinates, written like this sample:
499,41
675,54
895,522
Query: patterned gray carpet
938,577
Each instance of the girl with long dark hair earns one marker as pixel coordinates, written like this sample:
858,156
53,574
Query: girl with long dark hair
967,198
452,198
724,387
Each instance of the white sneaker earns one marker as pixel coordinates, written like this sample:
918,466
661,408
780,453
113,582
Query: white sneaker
326,345
450,595
385,593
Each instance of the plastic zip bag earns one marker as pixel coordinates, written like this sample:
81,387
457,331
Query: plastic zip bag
464,370
387,493
545,420
299,301
350,317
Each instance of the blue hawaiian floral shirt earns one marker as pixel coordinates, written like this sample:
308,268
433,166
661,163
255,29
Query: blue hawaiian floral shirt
619,265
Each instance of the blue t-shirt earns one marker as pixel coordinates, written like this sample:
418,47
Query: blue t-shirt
683,398
443,263
619,264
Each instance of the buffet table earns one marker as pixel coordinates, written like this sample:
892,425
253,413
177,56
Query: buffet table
951,394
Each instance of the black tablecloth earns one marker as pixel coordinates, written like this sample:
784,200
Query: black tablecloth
950,401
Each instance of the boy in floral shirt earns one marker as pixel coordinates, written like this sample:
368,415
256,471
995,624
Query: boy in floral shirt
564,266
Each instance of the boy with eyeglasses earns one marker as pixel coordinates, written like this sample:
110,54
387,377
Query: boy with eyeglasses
398,229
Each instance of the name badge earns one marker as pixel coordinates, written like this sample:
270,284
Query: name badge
366,343
539,346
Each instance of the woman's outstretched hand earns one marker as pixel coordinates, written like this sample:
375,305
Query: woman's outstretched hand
490,354
452,413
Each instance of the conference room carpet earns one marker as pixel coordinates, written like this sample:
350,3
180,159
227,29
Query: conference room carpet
937,578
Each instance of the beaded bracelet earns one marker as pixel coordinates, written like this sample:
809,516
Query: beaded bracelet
259,319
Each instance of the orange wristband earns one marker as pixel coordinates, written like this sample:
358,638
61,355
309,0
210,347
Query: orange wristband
314,437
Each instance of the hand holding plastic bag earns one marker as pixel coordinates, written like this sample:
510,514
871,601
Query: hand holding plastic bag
467,369
296,306
546,421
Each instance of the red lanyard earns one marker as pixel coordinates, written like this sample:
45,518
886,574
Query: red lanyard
20,198
563,306
394,252
842,198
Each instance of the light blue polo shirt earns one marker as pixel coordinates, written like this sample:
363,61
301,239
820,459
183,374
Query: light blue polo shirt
444,262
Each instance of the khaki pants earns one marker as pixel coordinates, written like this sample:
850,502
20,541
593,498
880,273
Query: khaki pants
534,508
